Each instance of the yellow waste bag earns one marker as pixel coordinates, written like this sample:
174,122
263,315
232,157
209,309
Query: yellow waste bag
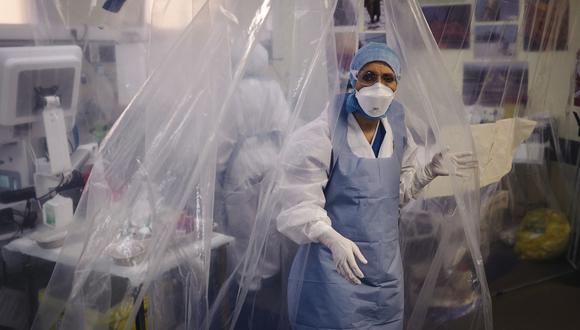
543,235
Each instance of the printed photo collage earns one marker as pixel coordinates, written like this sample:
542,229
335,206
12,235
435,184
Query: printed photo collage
494,78
495,82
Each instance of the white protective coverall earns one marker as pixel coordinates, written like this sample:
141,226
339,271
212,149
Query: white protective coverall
249,148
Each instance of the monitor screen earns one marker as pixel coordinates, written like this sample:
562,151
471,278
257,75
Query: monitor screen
29,74
34,84
9,180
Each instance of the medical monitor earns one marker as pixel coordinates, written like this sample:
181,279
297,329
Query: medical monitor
29,73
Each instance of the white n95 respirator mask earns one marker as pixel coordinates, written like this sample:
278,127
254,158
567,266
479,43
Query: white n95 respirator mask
375,100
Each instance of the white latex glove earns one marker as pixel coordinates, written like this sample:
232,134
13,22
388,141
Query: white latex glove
461,162
343,253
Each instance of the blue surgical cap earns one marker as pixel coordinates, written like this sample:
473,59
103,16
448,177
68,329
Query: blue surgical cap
374,52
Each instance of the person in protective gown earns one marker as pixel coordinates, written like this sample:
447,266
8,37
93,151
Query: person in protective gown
345,176
249,145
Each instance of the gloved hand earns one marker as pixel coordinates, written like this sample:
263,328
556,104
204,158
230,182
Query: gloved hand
462,163
344,252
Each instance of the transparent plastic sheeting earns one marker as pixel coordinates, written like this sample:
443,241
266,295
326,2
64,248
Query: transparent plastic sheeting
521,60
120,49
444,276
179,213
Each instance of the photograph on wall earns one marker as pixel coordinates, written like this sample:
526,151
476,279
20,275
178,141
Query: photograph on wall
346,46
577,89
371,13
495,41
365,38
345,13
478,114
441,2
496,10
546,25
496,84
450,25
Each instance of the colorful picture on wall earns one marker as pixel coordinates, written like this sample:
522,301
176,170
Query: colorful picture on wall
450,25
546,25
496,10
372,13
483,114
577,89
441,2
495,85
365,38
345,13
495,41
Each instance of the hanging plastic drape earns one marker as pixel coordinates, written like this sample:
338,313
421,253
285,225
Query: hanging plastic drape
93,92
183,213
516,63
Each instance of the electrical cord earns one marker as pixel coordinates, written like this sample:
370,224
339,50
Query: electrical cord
30,218
51,192
71,180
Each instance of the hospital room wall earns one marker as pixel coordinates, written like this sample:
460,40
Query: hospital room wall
550,91
550,72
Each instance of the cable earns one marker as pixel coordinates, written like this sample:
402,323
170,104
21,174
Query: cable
532,283
30,219
53,190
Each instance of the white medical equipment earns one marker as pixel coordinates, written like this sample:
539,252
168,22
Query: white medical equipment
39,88
57,212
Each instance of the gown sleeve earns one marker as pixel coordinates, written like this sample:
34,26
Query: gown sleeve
413,176
305,167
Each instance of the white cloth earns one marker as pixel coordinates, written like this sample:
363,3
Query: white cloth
305,170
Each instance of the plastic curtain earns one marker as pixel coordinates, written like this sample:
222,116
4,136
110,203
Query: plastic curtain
181,211
519,60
